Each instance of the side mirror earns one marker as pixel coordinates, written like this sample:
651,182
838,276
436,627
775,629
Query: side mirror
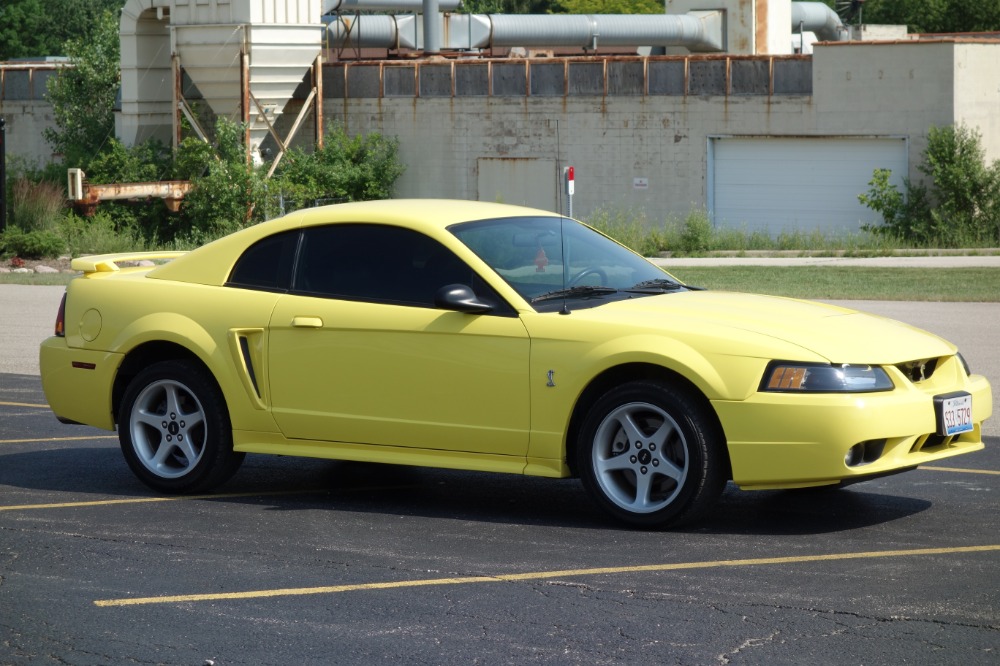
461,298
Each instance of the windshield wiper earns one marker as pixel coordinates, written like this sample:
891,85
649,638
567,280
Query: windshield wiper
657,285
579,291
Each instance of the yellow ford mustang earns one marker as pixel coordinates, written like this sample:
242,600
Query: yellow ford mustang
489,337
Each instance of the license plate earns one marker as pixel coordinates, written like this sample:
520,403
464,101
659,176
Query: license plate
954,413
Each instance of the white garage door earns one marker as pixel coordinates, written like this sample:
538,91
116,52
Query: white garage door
805,184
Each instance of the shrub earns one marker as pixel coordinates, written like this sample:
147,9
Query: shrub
230,194
628,227
959,206
35,244
97,235
696,234
346,168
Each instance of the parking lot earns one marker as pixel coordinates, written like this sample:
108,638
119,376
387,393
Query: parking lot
314,562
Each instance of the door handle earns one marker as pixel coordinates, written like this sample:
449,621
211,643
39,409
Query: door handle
307,322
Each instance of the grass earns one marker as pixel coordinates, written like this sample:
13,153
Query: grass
851,283
44,279
821,282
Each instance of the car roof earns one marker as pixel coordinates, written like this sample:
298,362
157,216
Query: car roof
212,263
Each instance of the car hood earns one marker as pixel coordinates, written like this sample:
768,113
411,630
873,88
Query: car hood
838,334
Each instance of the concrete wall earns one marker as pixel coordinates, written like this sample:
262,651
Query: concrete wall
610,142
977,91
23,106
659,141
636,130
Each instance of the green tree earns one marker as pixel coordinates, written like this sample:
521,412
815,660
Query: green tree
609,6
83,96
932,16
346,168
506,6
39,28
228,194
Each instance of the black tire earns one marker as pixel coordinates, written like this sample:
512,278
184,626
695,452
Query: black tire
651,455
174,429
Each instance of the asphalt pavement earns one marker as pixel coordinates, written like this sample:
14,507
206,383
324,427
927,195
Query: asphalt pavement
298,561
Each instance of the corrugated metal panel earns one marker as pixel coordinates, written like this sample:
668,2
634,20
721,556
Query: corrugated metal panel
586,78
626,78
472,81
749,77
435,80
775,184
714,76
707,77
548,79
400,81
363,81
667,77
333,82
793,76
509,80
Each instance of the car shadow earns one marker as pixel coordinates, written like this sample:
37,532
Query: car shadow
294,484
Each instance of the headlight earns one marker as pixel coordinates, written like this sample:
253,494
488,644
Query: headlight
786,377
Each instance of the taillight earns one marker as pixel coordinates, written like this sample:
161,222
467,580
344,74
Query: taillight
61,318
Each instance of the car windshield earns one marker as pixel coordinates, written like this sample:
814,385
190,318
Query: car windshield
549,260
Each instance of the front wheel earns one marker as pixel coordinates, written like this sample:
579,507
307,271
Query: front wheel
174,429
651,455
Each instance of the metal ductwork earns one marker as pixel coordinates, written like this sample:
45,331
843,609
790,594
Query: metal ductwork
696,31
820,19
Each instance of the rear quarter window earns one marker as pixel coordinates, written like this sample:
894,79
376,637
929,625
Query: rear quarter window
267,264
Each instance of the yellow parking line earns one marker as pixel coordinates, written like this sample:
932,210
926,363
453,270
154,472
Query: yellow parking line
538,575
55,439
148,500
22,404
960,469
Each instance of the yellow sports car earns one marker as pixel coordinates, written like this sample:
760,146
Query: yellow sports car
490,337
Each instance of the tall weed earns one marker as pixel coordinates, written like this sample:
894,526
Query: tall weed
36,206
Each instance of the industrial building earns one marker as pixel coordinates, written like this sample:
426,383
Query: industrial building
770,114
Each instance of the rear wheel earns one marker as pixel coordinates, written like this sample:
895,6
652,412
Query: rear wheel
651,455
174,429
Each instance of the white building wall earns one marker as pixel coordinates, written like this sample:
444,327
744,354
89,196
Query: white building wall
886,88
859,90
610,142
977,92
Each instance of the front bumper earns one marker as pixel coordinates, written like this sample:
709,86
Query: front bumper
782,440
78,383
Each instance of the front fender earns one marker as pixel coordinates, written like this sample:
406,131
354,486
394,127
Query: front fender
576,365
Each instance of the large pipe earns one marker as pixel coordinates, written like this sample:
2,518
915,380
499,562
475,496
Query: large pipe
603,29
432,27
697,31
820,19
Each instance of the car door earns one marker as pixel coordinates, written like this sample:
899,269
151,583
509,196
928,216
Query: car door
358,352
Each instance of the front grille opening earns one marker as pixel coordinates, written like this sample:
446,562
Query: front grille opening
919,371
932,442
865,453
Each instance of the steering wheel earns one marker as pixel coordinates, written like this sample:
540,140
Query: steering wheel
590,270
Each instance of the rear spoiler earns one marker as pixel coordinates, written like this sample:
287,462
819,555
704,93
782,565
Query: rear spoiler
108,263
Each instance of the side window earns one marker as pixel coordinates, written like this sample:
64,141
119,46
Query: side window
378,263
267,264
